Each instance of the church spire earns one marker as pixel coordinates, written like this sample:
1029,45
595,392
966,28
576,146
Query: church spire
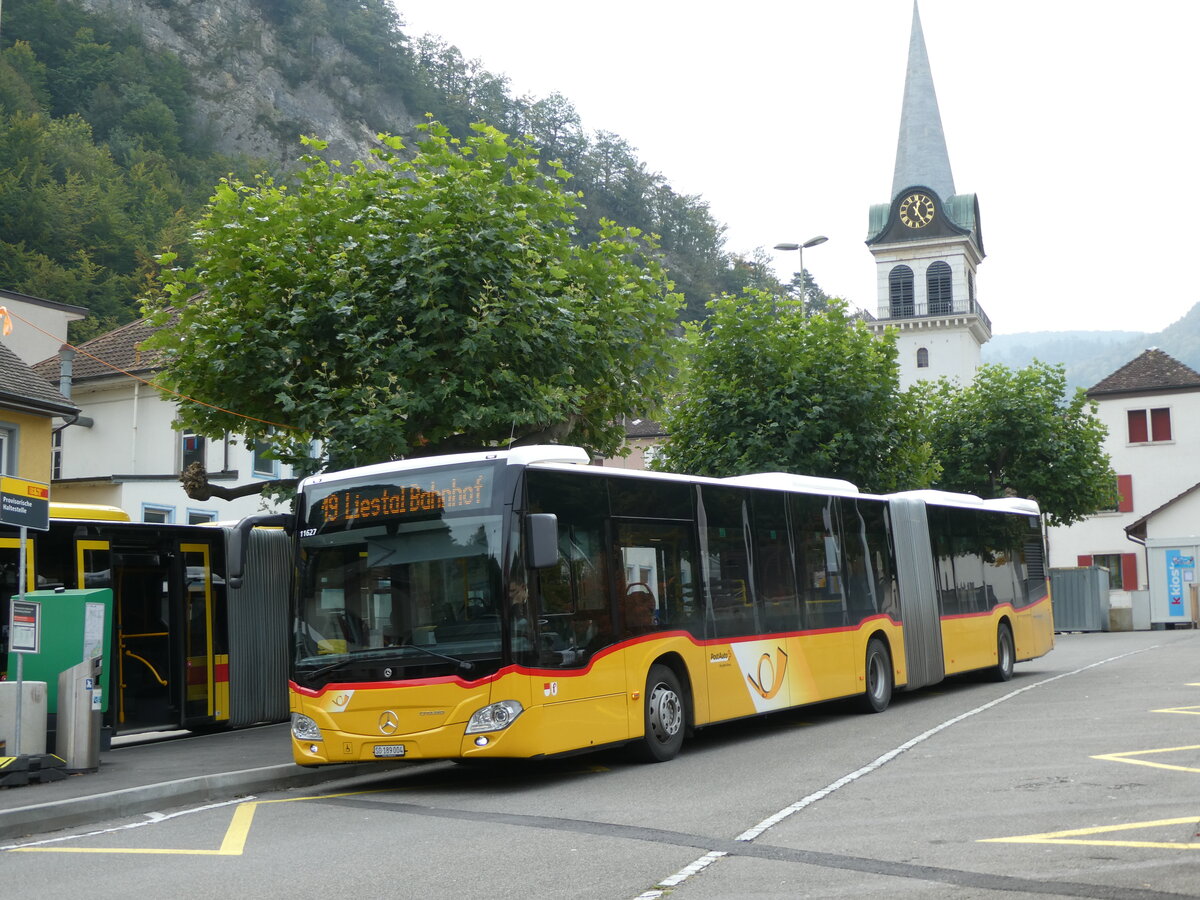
921,157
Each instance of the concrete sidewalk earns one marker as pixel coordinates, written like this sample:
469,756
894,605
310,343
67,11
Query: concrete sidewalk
148,776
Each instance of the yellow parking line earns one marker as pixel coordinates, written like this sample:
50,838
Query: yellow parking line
1127,758
1074,836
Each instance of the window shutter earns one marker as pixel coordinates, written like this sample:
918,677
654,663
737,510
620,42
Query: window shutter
1129,579
1125,493
1160,424
1083,560
1137,426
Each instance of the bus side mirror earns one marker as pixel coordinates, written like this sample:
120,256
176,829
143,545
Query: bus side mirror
541,540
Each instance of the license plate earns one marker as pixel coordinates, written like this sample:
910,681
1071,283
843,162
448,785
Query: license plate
388,751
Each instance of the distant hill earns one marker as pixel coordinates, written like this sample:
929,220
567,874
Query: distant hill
1091,356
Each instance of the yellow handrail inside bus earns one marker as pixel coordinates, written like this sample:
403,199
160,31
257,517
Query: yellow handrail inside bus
148,665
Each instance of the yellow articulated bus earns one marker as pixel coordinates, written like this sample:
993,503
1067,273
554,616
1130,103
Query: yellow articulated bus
189,650
524,603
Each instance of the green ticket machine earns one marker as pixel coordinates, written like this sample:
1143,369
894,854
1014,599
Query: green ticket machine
76,625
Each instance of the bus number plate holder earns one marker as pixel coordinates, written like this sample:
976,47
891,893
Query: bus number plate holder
388,751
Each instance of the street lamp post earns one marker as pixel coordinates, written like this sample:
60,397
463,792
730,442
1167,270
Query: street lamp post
811,242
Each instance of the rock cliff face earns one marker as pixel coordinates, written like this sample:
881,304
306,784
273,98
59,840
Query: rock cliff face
253,97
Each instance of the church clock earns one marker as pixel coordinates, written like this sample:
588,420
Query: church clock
916,210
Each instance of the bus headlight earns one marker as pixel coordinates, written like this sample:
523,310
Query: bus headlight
305,729
495,717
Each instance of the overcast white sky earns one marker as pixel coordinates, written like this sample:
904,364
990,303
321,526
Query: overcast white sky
1074,123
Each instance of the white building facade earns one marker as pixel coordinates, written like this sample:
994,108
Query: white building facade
124,450
1151,408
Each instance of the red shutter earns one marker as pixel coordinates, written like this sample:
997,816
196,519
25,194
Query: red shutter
1124,493
1160,424
1137,426
1129,580
1083,560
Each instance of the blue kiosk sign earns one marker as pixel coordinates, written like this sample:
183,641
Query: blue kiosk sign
1181,570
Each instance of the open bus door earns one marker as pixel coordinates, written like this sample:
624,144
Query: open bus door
170,673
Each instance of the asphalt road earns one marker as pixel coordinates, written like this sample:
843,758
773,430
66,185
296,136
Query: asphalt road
1079,778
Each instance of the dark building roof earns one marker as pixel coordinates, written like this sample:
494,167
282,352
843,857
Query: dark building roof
120,348
1152,372
23,389
643,428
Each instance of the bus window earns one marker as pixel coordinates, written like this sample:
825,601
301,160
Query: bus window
725,552
819,557
775,575
656,590
572,618
869,565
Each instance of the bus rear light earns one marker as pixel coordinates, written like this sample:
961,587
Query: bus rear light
495,717
305,729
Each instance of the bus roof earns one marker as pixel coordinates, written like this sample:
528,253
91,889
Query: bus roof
567,457
971,501
87,512
530,455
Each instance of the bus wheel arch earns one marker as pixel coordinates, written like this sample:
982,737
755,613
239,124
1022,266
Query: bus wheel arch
878,675
666,711
1006,652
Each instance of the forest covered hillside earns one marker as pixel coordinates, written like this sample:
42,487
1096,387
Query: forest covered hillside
118,117
1091,356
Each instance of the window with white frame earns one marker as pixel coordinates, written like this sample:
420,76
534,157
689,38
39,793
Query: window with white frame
56,453
6,447
158,515
191,446
265,465
200,516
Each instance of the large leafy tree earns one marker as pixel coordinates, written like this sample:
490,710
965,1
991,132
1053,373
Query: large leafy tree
767,388
414,305
1018,432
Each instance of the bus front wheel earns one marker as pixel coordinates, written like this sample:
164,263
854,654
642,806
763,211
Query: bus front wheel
665,716
1006,654
878,676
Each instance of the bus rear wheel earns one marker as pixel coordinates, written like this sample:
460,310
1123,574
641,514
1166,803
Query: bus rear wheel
665,716
878,676
1006,654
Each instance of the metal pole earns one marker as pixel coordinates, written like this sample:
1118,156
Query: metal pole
24,532
803,303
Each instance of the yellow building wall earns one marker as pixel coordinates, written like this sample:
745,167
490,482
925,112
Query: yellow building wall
33,445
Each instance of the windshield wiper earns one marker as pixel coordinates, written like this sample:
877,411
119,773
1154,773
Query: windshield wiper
358,656
461,663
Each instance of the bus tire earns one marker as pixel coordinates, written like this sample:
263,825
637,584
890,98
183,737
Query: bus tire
878,677
1006,654
665,715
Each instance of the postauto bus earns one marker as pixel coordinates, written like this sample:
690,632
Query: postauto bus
524,603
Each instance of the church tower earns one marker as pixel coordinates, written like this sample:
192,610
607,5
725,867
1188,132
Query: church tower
927,243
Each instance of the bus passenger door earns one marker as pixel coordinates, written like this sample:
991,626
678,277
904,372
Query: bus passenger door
142,596
206,671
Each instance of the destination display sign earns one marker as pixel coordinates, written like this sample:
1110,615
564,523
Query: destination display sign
454,491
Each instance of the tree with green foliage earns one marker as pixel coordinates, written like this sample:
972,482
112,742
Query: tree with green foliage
414,306
767,388
1017,432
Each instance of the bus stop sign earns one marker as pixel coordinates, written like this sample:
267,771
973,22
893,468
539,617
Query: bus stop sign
24,503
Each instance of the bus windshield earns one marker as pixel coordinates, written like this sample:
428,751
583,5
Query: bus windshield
400,580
